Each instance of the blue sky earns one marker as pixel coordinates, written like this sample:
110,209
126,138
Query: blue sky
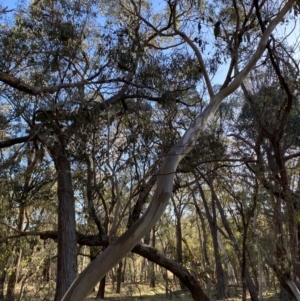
8,3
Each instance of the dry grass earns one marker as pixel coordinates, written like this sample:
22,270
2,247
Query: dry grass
137,292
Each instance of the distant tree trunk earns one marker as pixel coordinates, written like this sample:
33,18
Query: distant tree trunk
67,243
165,276
151,264
243,264
228,263
221,278
212,221
13,278
144,265
101,290
179,246
248,279
203,245
282,271
113,279
124,270
178,231
94,219
142,269
130,272
134,274
102,284
46,270
2,281
119,277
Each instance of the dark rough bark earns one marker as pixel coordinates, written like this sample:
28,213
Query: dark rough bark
189,280
67,242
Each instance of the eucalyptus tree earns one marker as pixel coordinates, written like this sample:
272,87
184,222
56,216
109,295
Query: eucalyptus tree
51,44
62,65
272,111
178,11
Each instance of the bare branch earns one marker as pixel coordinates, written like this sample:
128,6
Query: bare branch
11,142
197,53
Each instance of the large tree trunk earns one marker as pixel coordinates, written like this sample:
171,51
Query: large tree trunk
67,242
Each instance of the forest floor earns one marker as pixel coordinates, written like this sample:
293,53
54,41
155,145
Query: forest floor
135,292
142,292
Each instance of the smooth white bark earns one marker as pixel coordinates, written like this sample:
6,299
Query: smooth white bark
227,260
119,248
